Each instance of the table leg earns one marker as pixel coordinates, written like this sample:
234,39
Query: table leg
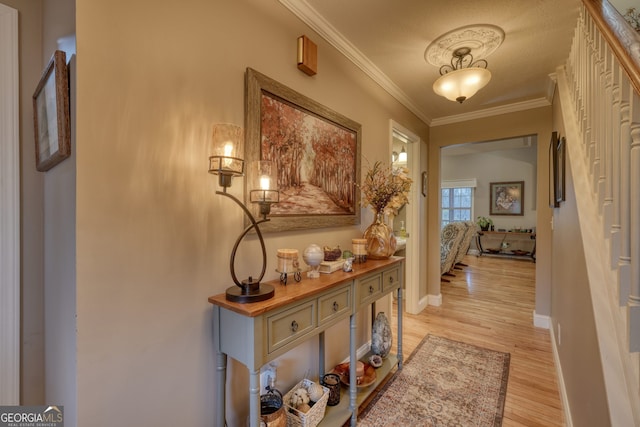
399,314
353,391
321,370
254,398
221,380
221,373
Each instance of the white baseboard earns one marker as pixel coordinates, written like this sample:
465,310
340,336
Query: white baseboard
435,300
562,389
540,321
474,252
423,303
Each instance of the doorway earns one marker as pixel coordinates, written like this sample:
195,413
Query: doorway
401,139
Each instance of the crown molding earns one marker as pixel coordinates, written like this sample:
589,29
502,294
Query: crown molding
307,14
494,111
320,25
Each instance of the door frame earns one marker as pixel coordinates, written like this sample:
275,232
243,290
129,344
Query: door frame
413,303
10,213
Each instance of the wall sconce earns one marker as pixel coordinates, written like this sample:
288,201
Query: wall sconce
227,162
402,157
463,78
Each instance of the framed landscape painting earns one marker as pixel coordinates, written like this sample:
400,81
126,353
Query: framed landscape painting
316,152
507,198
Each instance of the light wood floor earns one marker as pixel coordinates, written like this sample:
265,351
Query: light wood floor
490,303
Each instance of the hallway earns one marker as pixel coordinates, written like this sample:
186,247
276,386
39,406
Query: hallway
490,303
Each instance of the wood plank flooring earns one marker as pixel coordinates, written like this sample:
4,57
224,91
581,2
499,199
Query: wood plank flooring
490,303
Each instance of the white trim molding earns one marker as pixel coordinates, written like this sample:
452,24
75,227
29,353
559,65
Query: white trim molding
413,303
489,112
10,213
435,300
564,397
540,321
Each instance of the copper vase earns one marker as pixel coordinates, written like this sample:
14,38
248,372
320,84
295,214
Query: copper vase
381,243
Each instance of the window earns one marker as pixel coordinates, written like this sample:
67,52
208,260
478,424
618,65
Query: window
457,201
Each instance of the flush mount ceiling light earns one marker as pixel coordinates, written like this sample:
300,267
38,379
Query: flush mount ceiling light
454,52
463,78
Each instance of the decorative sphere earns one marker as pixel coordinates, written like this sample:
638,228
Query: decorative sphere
313,255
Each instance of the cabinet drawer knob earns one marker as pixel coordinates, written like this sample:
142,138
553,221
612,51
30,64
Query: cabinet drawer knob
336,306
370,289
294,326
390,279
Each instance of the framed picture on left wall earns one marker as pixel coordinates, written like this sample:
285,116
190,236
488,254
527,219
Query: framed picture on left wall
51,114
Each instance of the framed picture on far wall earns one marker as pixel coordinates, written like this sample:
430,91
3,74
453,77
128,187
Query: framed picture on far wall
507,198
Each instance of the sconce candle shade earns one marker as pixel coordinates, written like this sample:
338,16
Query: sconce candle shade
402,157
228,150
461,84
263,183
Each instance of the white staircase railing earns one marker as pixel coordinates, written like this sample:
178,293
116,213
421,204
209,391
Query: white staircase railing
601,82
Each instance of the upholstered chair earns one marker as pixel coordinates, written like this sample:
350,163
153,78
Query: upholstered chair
470,231
450,241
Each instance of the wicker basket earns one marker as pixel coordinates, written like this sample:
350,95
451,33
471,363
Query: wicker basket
312,417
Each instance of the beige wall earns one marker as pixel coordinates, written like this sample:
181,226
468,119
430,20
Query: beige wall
498,166
152,238
531,122
572,313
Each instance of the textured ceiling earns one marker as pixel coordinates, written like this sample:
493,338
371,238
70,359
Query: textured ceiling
393,35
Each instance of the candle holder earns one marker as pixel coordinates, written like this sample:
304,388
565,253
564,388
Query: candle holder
332,382
227,162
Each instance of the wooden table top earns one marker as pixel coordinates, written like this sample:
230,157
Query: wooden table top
295,291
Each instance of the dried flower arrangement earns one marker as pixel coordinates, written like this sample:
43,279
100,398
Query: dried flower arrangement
385,189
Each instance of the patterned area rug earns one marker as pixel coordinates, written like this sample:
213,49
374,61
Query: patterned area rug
443,383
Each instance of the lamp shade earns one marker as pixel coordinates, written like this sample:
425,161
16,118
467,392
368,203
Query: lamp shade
263,182
461,84
402,157
228,150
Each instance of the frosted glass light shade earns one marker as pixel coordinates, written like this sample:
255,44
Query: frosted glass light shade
263,182
228,150
461,84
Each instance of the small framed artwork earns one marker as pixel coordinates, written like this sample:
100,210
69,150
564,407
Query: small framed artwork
553,171
560,174
51,114
424,184
507,198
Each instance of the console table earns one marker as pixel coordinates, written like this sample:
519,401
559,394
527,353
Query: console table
514,244
256,333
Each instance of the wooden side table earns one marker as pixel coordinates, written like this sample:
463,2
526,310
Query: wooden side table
256,333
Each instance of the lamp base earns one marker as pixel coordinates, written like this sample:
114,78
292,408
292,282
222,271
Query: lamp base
244,295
